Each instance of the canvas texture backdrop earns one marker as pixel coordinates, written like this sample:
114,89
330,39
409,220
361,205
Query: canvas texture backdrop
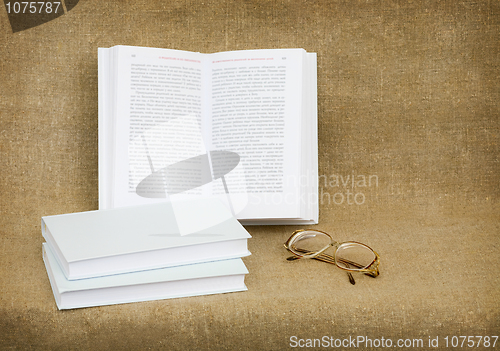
408,93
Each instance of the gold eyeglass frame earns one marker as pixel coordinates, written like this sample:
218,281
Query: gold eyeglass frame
371,270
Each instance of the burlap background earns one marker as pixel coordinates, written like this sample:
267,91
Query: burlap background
407,91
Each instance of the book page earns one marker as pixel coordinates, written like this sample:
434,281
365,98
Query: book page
232,125
256,112
105,133
157,123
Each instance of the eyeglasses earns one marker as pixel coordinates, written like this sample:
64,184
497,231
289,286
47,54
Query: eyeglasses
350,256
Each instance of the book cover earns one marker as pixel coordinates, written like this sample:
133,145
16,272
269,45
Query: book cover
105,242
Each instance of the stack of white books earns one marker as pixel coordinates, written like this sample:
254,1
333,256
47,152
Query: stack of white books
148,252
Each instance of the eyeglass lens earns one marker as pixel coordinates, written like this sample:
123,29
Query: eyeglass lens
309,242
354,256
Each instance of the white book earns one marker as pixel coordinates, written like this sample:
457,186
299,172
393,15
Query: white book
163,283
105,242
240,126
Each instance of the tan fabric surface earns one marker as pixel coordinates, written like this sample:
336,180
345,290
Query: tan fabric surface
407,93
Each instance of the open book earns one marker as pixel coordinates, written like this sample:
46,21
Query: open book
240,126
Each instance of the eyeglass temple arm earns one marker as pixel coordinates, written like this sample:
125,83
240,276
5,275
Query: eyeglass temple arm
328,259
325,258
